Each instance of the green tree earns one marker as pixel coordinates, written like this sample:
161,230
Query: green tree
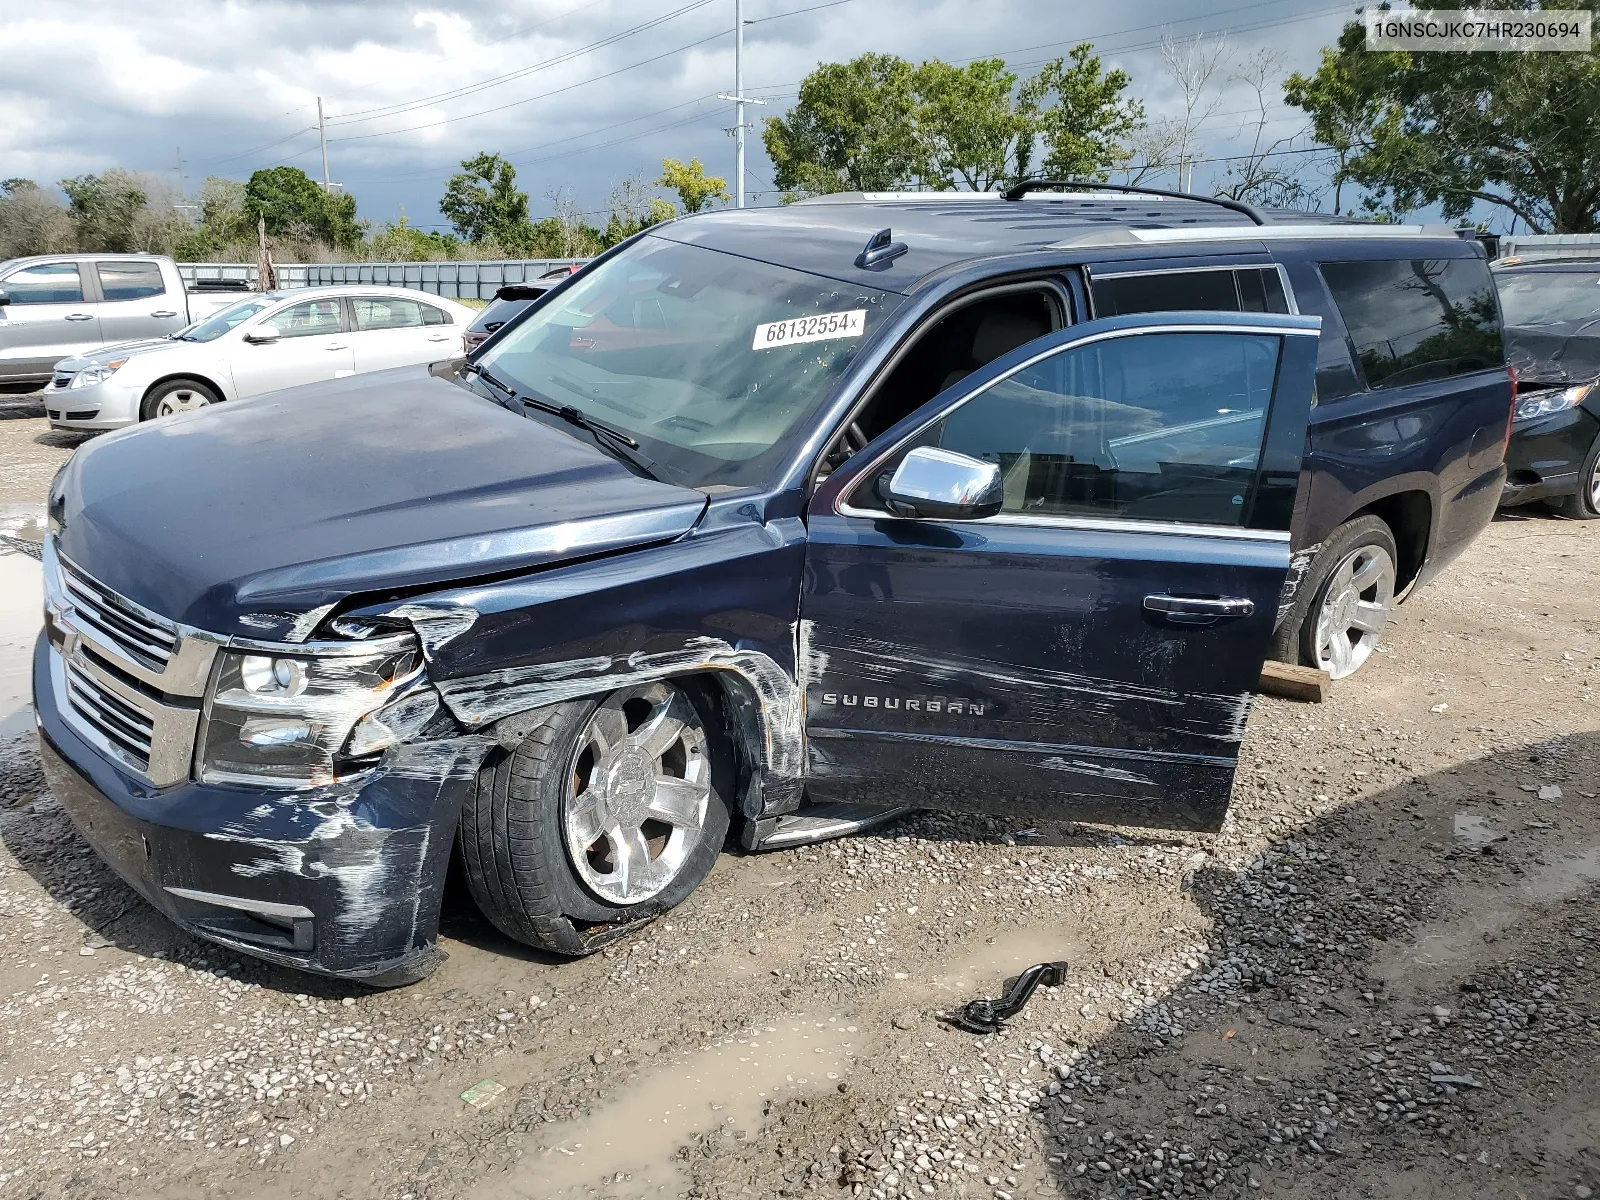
1081,114
852,129
633,208
400,241
483,201
1514,131
106,208
968,124
696,190
295,205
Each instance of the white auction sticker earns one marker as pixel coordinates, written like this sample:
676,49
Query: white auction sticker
819,328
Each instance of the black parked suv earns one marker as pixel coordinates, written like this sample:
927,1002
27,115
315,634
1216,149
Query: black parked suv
767,524
1552,316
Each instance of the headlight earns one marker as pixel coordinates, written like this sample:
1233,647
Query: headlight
286,720
96,374
1542,404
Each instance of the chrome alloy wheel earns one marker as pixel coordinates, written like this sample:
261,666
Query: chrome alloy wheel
640,785
1594,487
181,400
1355,608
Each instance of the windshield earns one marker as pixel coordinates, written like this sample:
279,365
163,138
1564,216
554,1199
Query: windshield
218,323
1545,297
708,360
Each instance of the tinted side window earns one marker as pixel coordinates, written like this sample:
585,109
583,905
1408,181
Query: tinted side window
47,283
129,280
1157,426
1247,289
434,316
309,319
386,313
1418,319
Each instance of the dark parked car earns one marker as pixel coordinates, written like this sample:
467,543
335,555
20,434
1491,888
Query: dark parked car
1552,316
508,302
769,524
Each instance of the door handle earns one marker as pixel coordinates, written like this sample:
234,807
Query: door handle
340,346
80,316
440,337
1197,611
165,312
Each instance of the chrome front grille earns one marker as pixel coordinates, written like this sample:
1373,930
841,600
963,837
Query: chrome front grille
127,680
129,728
61,379
137,635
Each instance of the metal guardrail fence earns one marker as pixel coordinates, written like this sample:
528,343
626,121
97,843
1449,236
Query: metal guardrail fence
455,280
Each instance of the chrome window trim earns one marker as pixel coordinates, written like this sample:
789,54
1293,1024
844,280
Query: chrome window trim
1132,524
841,508
1283,278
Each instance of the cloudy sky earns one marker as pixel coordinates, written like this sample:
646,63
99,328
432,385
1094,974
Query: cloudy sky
579,94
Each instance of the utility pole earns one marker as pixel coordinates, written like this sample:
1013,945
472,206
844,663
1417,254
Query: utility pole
322,132
183,191
739,101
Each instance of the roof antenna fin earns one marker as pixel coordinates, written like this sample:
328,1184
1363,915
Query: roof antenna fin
880,251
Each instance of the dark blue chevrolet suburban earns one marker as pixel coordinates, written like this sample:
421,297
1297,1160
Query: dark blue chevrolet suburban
765,525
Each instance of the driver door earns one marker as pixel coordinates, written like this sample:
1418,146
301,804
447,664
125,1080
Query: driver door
1088,651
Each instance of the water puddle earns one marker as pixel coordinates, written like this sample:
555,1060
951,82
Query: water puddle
628,1147
21,614
1473,829
1458,940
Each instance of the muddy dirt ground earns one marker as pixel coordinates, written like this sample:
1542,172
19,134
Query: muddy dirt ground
1381,979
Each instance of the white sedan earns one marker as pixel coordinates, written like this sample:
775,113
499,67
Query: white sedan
268,341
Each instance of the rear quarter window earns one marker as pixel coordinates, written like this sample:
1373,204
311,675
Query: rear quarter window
1416,320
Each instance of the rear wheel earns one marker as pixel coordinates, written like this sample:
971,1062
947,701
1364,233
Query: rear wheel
1584,504
611,811
175,396
1344,601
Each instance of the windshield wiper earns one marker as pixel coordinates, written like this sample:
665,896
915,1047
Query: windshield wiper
618,441
493,381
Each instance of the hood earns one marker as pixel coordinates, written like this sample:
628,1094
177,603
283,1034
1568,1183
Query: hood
1563,352
104,354
244,517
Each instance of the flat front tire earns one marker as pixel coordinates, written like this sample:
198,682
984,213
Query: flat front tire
612,810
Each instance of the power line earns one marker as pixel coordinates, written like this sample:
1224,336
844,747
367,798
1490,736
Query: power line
798,11
371,114
541,96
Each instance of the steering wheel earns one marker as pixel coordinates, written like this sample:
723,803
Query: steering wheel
854,437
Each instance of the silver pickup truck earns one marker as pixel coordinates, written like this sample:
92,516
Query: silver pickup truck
56,305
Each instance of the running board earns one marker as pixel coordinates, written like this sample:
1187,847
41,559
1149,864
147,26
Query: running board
822,822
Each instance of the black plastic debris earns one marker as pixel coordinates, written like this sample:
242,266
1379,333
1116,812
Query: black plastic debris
986,1016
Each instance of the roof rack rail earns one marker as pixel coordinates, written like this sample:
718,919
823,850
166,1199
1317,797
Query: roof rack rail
1018,190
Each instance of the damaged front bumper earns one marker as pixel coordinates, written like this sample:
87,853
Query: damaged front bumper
342,880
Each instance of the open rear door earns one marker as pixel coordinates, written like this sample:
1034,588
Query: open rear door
1086,652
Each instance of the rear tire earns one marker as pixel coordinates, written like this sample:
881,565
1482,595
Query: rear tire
568,830
1584,504
174,396
1347,593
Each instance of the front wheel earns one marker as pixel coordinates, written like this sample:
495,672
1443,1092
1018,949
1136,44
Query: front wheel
1584,504
175,396
610,811
1344,601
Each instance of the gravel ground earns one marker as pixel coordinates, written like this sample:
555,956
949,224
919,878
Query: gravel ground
1379,980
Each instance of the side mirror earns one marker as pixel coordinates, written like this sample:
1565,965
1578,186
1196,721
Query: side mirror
5,297
930,482
263,335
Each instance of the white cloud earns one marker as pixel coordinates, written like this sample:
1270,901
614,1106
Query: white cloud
235,83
